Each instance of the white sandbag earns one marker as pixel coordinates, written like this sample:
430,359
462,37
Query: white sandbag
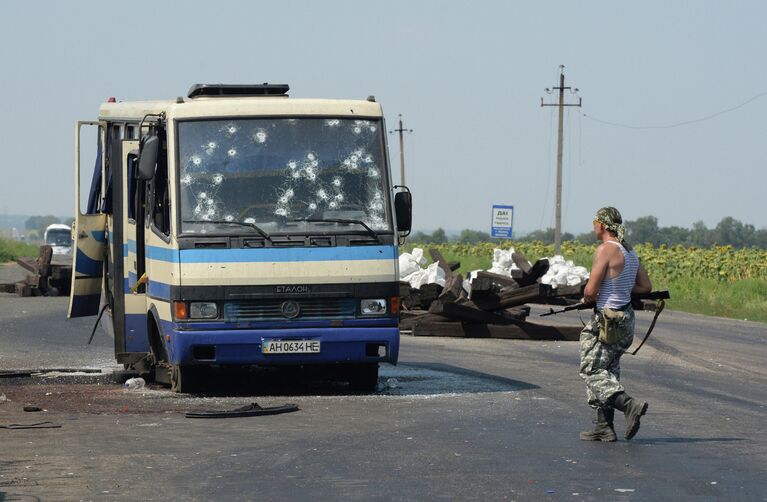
410,263
564,273
503,262
407,265
417,278
418,257
435,274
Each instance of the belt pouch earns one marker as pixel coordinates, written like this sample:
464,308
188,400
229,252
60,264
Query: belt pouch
609,325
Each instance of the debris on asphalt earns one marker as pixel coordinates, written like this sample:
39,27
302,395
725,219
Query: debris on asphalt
250,410
32,408
135,383
37,425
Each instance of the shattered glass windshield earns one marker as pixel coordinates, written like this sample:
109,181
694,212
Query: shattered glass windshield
270,172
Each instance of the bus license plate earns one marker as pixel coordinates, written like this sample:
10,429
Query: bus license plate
290,346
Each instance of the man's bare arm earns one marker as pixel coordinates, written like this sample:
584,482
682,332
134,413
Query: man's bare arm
598,271
643,283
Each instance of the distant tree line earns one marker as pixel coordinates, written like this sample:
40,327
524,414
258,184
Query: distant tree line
729,231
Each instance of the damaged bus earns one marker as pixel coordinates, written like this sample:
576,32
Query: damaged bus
238,226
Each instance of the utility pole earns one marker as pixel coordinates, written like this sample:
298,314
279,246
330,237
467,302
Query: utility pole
401,149
561,105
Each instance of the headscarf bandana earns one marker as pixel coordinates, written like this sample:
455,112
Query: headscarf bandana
612,221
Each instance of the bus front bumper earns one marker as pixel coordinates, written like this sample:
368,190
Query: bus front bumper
246,347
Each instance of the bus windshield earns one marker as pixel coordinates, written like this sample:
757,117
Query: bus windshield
282,175
58,237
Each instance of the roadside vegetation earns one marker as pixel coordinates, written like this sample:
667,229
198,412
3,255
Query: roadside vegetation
728,232
10,250
718,280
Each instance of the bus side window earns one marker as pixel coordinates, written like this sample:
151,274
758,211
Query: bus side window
132,185
160,195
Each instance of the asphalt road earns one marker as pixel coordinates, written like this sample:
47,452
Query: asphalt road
456,419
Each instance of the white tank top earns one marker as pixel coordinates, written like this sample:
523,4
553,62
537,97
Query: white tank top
615,292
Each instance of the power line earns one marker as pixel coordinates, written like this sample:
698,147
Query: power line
679,124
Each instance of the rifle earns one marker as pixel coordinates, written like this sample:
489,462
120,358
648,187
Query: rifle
654,295
659,296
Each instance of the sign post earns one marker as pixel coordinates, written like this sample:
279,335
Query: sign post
501,224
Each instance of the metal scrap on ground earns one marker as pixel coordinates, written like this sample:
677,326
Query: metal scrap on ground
250,410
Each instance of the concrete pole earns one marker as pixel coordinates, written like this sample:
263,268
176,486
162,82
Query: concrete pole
401,152
558,217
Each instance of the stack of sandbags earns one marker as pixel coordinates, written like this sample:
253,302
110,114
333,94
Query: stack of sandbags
411,270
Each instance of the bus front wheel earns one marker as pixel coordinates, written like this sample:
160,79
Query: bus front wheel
183,378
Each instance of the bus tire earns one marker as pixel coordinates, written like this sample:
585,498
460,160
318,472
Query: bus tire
363,377
183,379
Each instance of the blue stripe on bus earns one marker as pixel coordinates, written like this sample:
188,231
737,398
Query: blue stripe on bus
85,305
87,266
268,255
153,252
162,254
156,289
136,339
271,255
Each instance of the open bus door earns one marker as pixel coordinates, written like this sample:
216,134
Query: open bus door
133,218
89,231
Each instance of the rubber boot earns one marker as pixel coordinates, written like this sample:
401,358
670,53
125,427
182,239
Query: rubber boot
632,409
604,427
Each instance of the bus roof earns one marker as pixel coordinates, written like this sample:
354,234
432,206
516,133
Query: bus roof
219,106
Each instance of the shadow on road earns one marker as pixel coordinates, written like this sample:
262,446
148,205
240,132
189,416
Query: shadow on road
401,380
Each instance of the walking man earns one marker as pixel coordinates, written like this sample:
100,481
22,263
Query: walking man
615,274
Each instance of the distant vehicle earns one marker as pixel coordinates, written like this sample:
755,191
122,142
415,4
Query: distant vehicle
240,227
59,237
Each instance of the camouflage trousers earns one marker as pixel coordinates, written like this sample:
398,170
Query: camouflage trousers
601,362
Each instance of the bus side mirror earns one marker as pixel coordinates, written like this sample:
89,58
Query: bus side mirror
403,209
147,159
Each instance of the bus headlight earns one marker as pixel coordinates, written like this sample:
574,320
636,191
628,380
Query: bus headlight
373,306
203,310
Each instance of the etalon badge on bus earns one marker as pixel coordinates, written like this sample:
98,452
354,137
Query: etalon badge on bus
290,309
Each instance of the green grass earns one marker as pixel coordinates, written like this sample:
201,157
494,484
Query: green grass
11,250
468,263
744,299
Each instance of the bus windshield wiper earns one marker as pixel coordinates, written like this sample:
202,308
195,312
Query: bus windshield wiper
343,220
240,223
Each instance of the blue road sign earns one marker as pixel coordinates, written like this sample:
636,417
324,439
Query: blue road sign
502,221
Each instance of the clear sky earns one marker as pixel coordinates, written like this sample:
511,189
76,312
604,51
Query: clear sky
467,77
